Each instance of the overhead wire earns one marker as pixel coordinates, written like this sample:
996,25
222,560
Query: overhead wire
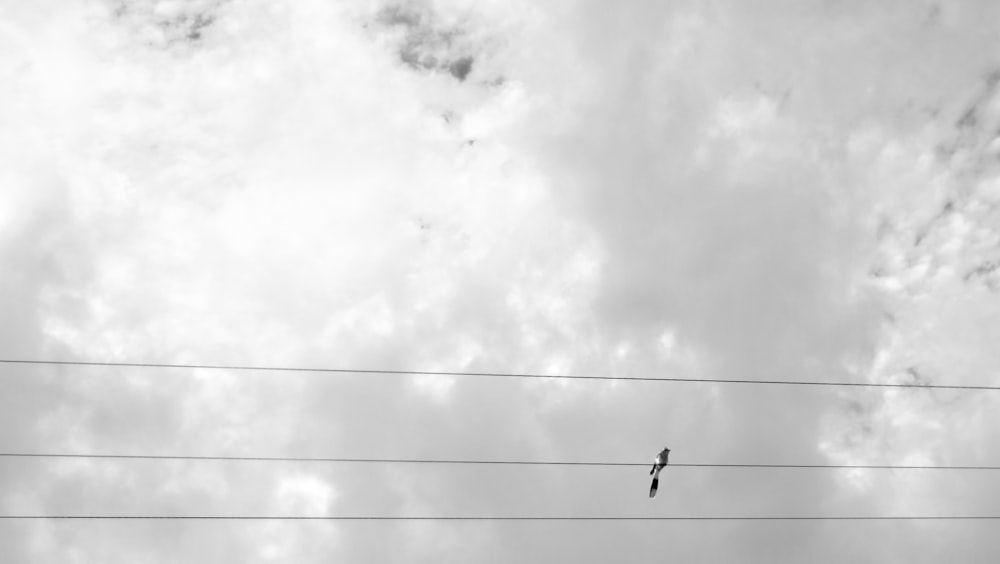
496,375
503,518
477,462
488,462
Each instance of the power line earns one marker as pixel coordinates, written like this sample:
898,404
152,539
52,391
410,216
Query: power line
502,518
492,374
482,462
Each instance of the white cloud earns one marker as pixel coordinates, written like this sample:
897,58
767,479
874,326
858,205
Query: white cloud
717,191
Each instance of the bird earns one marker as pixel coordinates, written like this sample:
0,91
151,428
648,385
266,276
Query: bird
658,463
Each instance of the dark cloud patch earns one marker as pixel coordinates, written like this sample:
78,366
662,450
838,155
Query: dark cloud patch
974,144
168,24
428,44
986,273
461,68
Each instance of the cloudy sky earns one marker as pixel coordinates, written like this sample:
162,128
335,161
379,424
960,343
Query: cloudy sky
780,190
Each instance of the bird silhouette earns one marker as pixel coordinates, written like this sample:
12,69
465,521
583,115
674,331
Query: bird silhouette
658,464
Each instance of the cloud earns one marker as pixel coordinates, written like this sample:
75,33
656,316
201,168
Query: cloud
685,190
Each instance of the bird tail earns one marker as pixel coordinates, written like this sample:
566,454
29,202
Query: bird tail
653,486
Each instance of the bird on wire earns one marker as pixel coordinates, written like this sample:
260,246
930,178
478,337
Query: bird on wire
658,464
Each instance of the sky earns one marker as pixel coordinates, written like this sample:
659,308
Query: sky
788,190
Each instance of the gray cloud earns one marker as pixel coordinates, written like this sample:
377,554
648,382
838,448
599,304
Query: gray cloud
706,194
